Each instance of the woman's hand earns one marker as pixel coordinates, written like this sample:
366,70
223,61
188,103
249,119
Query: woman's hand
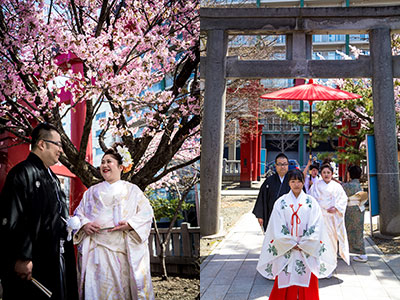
331,210
91,228
123,225
296,248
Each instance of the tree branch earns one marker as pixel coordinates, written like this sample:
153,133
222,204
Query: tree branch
176,167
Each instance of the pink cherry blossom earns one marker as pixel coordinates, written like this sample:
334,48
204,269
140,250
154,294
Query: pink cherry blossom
123,60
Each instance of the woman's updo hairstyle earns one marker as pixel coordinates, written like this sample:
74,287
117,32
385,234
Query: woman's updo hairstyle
114,153
327,165
295,175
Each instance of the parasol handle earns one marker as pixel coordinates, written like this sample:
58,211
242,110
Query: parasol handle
310,130
310,145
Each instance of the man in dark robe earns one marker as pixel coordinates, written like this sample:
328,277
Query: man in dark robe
32,229
273,187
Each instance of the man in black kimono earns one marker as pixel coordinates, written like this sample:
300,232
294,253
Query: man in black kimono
32,229
273,187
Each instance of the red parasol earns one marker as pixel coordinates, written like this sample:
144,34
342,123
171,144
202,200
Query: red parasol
310,92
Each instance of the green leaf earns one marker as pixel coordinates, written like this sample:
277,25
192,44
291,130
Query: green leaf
272,249
285,230
300,268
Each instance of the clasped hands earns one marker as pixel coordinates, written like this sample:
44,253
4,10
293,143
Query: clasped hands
93,227
296,247
331,210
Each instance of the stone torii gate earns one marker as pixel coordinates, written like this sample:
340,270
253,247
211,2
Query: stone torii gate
299,24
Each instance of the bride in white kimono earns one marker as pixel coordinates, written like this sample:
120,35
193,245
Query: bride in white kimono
296,248
333,201
115,219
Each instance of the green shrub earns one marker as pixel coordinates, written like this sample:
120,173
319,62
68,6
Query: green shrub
165,208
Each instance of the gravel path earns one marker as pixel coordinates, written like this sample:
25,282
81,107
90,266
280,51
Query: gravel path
386,245
176,288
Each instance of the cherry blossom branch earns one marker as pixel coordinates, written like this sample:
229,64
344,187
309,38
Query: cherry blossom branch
176,167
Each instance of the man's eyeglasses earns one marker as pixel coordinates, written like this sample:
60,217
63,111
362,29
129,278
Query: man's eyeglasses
59,144
282,165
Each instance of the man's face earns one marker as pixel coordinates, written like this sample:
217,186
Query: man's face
282,166
52,149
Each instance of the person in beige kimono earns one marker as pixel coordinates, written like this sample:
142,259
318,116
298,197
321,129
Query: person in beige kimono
115,219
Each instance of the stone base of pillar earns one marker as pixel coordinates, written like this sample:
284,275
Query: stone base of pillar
379,235
390,229
215,236
248,184
221,232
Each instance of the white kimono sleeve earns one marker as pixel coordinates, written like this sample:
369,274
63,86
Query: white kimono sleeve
80,213
277,243
141,221
340,199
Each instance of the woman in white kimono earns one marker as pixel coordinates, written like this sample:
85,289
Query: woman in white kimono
296,247
115,219
333,201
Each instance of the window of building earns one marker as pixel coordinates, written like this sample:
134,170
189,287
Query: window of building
281,39
101,115
359,37
316,38
328,55
279,56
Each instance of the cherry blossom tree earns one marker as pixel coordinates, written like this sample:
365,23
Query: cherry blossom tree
125,49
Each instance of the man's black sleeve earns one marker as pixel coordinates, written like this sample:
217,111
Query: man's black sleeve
15,216
261,203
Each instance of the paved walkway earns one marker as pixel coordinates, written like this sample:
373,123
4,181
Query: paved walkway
229,273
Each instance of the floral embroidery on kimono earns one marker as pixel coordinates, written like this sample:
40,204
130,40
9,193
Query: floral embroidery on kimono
296,221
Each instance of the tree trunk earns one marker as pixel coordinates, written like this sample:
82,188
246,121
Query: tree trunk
164,275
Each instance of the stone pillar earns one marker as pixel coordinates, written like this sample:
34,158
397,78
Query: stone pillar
385,131
299,48
213,132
